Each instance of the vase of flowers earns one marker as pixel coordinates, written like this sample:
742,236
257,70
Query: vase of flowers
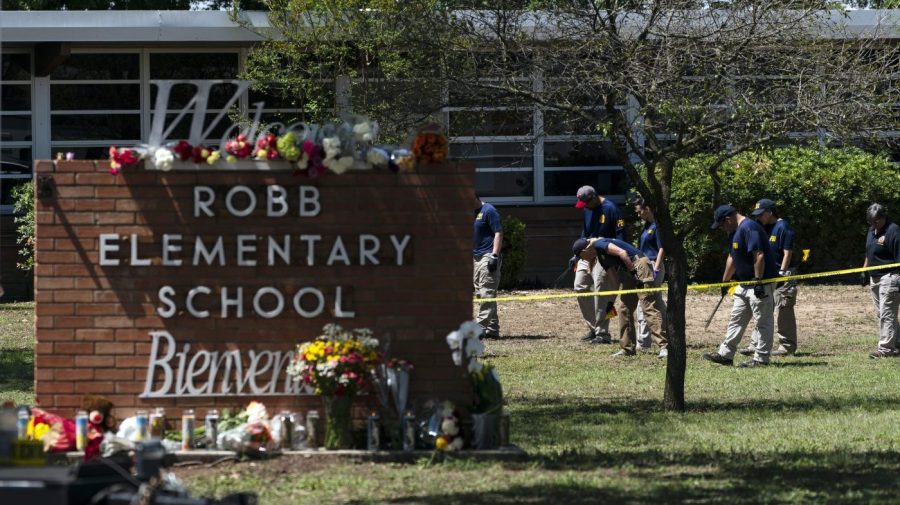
338,365
466,347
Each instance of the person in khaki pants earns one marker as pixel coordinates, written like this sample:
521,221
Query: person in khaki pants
630,269
650,244
781,241
486,272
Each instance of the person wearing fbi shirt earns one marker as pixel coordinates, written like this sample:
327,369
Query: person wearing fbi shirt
486,272
602,219
781,240
883,248
750,258
628,268
651,245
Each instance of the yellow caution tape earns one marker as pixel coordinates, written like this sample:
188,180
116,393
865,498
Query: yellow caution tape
694,287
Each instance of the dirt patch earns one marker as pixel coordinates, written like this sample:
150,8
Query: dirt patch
822,311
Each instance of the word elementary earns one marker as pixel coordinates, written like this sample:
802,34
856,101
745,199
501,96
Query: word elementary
253,251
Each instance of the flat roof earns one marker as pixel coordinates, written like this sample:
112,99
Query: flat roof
131,26
135,27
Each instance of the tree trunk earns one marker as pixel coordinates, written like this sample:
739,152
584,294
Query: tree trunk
677,361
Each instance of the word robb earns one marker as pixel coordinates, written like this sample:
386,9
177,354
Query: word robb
252,250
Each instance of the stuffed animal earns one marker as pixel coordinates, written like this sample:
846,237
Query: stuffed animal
100,421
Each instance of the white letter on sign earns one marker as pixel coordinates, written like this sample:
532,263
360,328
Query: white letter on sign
162,362
107,246
277,196
203,204
309,201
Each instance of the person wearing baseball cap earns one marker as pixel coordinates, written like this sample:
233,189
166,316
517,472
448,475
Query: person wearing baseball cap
781,240
601,219
750,258
628,268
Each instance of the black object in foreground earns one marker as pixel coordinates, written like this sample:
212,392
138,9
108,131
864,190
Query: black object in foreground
104,481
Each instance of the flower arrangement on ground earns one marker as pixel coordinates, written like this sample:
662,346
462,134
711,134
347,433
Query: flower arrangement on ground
338,365
467,348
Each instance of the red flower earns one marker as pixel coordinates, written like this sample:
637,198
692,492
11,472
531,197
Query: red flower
183,150
199,154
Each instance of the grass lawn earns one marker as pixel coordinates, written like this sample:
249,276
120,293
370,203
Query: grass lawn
17,352
819,427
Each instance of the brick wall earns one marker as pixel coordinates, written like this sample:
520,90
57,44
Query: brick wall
93,322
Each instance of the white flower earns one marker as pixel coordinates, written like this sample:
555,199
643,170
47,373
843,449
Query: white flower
454,340
456,445
474,347
332,146
457,358
475,366
163,159
339,165
361,131
470,330
377,157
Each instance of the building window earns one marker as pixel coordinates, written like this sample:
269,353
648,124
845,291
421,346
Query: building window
95,102
16,143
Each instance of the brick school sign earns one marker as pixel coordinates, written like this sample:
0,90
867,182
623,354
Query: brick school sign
184,289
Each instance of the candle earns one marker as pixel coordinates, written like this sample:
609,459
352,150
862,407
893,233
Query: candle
374,432
212,428
22,424
408,427
81,430
158,423
142,423
287,430
312,429
187,430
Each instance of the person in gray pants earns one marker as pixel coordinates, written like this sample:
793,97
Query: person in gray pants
750,258
883,248
488,238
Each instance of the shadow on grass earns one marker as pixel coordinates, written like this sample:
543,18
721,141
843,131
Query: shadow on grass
549,409
524,337
797,364
16,369
654,477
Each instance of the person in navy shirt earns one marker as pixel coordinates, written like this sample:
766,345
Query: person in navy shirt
781,241
883,248
602,219
750,259
486,271
651,246
629,269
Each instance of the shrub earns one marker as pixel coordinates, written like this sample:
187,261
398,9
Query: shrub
23,203
513,252
823,193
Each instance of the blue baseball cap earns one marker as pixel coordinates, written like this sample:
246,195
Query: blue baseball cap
722,211
762,206
579,246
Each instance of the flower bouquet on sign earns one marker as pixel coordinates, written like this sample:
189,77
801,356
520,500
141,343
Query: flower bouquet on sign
338,365
467,347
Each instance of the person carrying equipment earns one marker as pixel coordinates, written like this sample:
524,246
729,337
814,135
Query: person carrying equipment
628,268
750,258
488,239
602,219
781,241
